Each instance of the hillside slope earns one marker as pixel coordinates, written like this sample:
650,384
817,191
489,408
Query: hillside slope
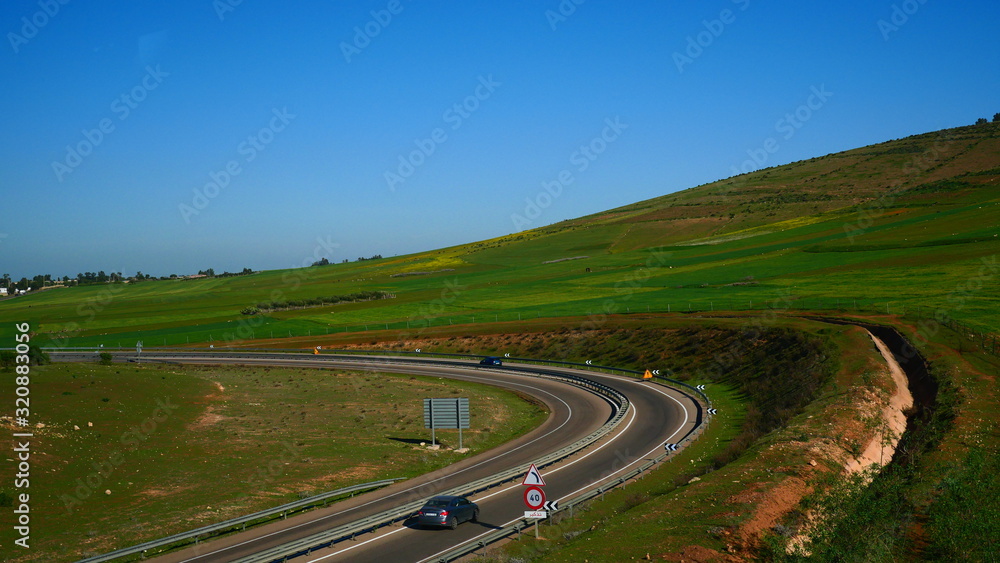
907,223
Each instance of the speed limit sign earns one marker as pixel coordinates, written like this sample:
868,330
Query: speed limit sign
534,498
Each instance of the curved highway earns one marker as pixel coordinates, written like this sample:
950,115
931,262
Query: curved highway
658,414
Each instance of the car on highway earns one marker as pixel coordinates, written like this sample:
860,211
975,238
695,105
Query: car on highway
491,361
447,511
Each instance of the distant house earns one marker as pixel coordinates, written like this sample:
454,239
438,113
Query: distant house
3,291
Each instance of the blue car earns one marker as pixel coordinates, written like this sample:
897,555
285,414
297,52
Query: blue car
447,511
491,361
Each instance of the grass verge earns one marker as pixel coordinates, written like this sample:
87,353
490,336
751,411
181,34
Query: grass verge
126,453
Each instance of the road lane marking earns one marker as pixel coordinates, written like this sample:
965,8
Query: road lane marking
472,376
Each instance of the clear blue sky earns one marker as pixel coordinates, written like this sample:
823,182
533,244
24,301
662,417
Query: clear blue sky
181,86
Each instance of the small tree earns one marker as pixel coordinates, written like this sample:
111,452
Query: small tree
106,358
996,118
981,121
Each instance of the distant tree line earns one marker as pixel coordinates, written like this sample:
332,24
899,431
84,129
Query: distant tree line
983,121
268,306
88,278
24,284
326,261
100,277
211,273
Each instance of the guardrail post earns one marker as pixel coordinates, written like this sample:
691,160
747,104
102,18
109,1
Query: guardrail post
623,407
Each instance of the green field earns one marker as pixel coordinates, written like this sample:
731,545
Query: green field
126,454
905,233
904,225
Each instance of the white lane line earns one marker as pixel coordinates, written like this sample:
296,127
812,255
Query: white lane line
634,412
596,450
585,487
380,499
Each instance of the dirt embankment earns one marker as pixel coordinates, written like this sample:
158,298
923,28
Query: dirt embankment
913,392
883,444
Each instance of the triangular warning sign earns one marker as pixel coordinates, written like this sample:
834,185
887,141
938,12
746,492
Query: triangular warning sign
533,477
647,375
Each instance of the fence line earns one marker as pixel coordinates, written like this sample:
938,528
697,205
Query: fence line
976,336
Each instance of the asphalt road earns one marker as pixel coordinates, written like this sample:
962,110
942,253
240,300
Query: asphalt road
658,415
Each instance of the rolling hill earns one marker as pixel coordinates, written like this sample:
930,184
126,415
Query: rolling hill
904,233
909,224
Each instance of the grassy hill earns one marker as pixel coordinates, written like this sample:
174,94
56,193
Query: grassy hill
910,223
898,233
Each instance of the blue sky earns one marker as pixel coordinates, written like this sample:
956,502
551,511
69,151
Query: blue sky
169,137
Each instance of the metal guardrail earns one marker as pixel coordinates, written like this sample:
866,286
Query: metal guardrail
402,354
237,522
372,523
523,523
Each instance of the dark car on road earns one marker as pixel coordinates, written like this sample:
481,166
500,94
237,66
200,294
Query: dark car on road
491,361
447,511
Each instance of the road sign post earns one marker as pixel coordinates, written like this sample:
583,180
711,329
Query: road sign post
446,413
533,478
534,498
